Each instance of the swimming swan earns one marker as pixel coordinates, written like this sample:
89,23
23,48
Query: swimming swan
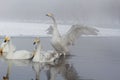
61,43
11,53
43,56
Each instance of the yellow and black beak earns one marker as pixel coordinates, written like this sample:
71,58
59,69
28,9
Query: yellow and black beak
34,43
36,40
6,39
49,14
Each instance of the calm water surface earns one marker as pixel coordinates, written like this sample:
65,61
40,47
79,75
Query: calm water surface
93,59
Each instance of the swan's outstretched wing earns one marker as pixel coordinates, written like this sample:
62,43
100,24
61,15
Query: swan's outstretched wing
76,31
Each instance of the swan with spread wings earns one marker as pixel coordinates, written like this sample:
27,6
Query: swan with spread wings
60,43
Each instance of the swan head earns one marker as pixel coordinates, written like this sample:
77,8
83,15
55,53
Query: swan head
36,41
49,14
6,39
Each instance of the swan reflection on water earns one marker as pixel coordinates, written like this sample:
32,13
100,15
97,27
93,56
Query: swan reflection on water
61,67
64,68
11,62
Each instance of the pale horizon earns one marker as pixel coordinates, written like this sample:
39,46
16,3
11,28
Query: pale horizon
95,12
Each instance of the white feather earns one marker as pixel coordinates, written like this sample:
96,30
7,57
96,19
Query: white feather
77,30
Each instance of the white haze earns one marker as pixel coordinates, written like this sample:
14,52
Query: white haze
37,29
103,13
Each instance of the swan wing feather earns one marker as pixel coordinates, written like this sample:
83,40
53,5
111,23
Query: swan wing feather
77,30
23,54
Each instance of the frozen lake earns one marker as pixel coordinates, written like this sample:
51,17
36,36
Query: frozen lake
39,29
95,58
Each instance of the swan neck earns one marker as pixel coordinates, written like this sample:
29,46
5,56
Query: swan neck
10,46
54,22
37,53
55,29
39,48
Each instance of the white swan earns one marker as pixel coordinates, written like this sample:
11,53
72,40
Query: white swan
9,52
43,56
61,43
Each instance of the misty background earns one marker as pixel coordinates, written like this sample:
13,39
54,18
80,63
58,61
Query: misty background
101,13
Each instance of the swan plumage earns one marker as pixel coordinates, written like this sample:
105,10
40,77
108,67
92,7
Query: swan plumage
8,50
21,54
60,43
43,56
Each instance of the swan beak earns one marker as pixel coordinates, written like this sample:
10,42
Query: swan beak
46,14
7,39
49,14
37,40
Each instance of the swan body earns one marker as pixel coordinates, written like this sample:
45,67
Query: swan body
61,43
43,56
22,54
9,51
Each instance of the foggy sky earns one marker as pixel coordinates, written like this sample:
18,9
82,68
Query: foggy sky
89,11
